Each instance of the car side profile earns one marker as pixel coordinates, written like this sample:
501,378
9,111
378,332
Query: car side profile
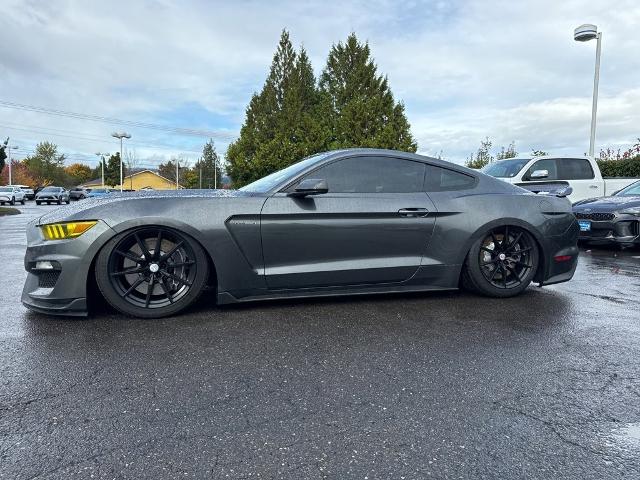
11,194
79,193
357,221
53,194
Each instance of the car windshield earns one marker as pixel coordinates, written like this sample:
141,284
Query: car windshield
631,190
6,189
270,181
50,189
505,168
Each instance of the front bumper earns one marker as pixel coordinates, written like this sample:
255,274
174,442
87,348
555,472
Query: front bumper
63,289
4,198
623,229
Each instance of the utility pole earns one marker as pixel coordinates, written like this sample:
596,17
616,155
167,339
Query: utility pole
121,135
102,164
200,168
584,33
10,147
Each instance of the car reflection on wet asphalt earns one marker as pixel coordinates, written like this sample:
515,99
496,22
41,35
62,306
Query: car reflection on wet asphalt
447,385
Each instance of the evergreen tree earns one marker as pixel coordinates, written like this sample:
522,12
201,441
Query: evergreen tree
112,170
359,102
3,153
208,167
281,125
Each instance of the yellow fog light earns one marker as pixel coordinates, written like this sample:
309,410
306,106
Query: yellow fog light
60,231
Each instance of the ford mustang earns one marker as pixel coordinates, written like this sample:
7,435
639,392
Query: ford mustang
356,221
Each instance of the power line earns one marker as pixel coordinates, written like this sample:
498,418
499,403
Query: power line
48,131
117,121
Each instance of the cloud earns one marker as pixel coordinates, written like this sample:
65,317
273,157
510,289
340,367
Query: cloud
465,69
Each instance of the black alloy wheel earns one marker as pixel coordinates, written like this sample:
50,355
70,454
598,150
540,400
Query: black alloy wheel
151,272
502,263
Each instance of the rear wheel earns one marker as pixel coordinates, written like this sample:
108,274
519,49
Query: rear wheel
502,263
22,201
151,272
59,201
38,202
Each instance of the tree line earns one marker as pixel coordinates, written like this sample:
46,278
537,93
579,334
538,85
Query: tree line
296,115
46,166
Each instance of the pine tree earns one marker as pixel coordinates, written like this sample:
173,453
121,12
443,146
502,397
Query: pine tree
359,102
208,167
281,125
112,170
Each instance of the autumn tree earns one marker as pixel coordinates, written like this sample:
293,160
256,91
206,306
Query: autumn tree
46,165
78,173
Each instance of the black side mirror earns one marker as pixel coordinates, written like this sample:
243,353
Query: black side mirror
310,186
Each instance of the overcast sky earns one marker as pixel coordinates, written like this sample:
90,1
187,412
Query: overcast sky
464,69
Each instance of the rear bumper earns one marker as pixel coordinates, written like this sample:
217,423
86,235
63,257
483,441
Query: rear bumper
562,257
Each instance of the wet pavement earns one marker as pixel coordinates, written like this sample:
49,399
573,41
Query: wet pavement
546,385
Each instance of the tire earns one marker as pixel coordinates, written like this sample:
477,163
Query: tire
154,285
22,201
13,201
495,269
38,202
68,201
59,201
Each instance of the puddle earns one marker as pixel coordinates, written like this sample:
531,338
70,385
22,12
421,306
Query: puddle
628,436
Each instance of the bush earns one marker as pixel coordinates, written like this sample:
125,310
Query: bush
625,167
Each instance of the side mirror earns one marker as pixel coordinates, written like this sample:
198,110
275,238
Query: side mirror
564,192
537,174
310,186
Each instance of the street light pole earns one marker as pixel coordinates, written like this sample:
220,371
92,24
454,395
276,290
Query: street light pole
101,155
121,135
10,147
584,33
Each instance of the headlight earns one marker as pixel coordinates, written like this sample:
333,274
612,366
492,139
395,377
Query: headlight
59,231
631,211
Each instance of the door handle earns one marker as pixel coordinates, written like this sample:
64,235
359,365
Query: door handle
593,186
413,212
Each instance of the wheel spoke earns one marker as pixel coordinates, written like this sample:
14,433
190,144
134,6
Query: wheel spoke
523,250
495,241
493,274
515,241
129,255
175,278
156,251
181,264
490,262
133,286
163,284
522,264
150,285
504,276
173,250
515,274
492,252
143,247
127,272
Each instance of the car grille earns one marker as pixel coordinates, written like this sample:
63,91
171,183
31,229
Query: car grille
48,279
597,217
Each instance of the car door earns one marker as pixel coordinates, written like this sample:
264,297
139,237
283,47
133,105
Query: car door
371,227
580,175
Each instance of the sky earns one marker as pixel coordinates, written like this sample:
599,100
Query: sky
465,70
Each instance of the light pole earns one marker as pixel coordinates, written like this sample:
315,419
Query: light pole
121,135
10,147
584,33
101,155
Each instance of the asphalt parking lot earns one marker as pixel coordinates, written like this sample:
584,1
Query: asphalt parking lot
546,385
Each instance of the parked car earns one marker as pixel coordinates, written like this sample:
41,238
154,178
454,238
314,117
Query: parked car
611,220
343,222
79,193
28,191
535,173
53,195
11,194
99,192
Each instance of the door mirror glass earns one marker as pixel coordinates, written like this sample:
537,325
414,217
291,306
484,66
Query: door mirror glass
310,186
537,174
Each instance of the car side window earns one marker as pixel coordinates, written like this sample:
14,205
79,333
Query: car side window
575,169
548,164
371,175
440,179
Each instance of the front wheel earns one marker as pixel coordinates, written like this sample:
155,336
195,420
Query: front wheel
38,203
22,201
68,201
151,272
13,201
502,263
59,201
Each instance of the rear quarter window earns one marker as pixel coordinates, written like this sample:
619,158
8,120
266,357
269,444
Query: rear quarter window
440,179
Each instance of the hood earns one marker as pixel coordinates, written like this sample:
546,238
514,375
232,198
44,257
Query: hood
607,204
117,200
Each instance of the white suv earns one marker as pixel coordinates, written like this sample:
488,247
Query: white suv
11,195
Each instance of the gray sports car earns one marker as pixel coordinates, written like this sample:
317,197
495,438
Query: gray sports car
342,222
